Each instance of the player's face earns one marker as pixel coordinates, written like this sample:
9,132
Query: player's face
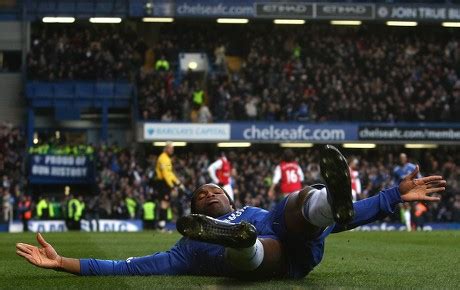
403,158
212,201
170,149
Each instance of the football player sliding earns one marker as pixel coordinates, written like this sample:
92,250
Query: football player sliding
286,242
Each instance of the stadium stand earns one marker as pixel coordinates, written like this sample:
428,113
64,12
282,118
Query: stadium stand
315,73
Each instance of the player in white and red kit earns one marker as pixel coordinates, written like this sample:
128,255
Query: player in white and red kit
355,181
221,173
288,175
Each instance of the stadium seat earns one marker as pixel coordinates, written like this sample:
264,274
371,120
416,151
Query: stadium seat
63,113
64,90
44,90
30,90
104,90
136,8
46,7
123,91
103,7
66,7
32,5
85,8
84,90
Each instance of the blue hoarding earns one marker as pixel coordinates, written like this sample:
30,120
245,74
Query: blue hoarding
60,169
293,132
104,225
449,132
428,227
278,132
340,9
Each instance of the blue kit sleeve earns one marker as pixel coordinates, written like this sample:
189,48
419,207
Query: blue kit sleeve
372,209
172,262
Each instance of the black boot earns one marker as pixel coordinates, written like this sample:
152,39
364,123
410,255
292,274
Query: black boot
207,229
336,174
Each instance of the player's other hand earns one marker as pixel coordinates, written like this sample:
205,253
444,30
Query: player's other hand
420,189
44,257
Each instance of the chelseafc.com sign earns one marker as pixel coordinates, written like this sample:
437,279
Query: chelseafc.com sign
292,134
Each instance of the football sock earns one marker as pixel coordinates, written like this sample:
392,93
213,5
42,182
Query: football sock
246,259
317,209
162,218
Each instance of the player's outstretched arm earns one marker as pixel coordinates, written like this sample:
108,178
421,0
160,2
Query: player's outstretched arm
381,205
47,257
172,262
420,189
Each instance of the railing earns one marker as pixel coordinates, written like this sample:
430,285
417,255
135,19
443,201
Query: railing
88,94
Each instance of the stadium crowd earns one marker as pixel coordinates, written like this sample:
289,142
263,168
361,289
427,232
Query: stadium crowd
93,52
125,178
12,186
347,75
316,72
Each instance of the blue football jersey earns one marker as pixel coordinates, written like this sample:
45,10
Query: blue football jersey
189,257
400,172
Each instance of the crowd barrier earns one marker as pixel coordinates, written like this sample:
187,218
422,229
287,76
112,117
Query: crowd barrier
73,89
102,225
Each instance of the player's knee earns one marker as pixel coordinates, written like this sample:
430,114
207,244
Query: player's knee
299,198
294,218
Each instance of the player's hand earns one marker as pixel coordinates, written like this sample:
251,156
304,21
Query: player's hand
182,187
420,189
44,257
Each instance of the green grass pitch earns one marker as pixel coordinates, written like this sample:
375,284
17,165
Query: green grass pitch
353,259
